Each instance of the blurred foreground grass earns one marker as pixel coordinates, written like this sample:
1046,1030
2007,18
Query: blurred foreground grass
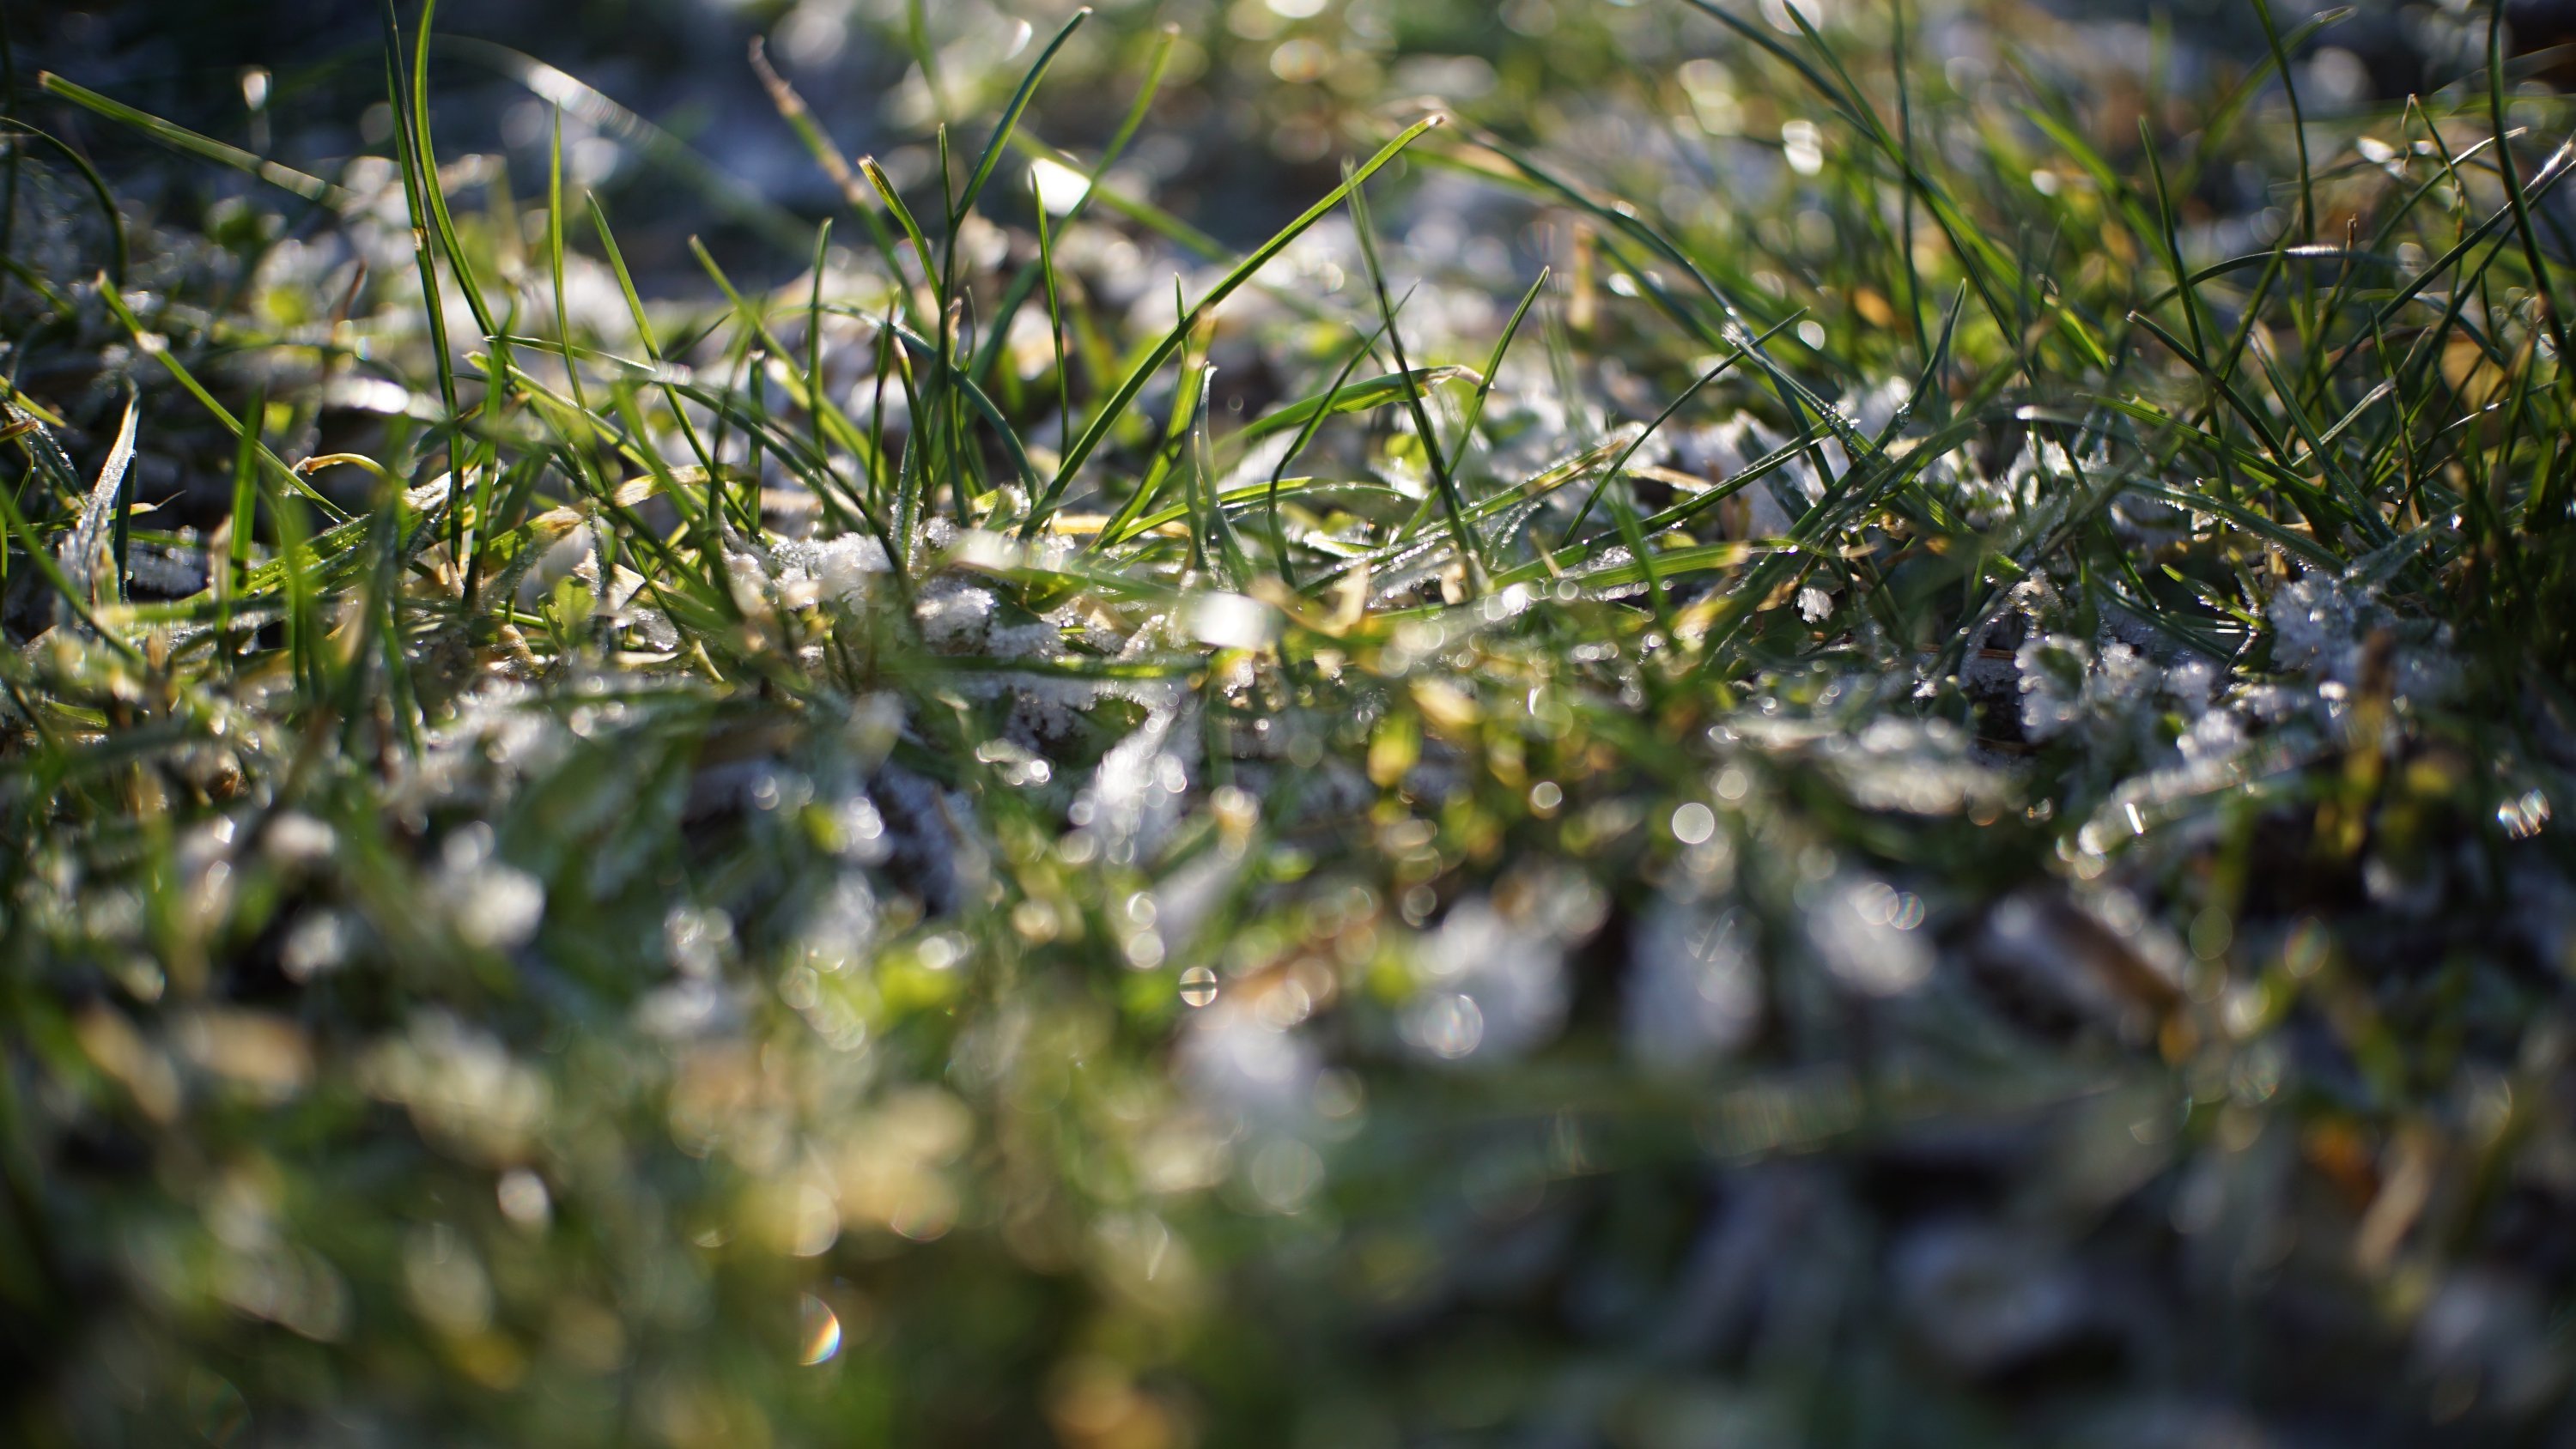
1779,737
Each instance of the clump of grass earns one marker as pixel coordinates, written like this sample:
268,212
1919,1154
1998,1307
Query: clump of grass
1913,811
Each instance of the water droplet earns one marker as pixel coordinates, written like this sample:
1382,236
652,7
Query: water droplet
1286,1173
1418,904
1694,823
814,1223
2525,815
939,952
1198,986
818,1332
1449,1025
524,1199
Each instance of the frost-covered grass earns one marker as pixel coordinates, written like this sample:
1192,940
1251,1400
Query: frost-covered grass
1839,738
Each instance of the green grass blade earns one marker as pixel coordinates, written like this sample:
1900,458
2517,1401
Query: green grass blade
1010,121
1115,406
180,138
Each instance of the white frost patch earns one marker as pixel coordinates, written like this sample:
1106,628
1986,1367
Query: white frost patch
1489,986
1247,1064
489,903
842,569
2065,684
1136,793
954,616
1695,985
1916,765
2324,626
1864,931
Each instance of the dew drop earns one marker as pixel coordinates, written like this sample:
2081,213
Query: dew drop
1694,823
818,1332
1449,1026
1198,986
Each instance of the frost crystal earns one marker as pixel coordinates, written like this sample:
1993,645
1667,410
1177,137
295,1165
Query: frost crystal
843,569
2327,627
954,615
2064,683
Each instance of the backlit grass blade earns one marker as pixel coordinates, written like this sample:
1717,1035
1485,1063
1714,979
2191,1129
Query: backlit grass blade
1610,475
158,347
1315,413
799,116
1494,360
998,332
96,553
1009,121
728,193
180,138
1470,554
1346,396
420,181
1115,406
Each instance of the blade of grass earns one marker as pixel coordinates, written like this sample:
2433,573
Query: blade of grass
244,515
1349,397
1055,320
2544,290
1115,406
180,138
1470,553
1610,475
1323,407
1009,121
420,179
120,249
105,511
855,194
644,332
1494,360
1018,293
158,347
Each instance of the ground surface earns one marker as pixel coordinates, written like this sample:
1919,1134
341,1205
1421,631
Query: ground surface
1783,736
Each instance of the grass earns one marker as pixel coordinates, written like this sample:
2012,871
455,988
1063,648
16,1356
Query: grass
1886,782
